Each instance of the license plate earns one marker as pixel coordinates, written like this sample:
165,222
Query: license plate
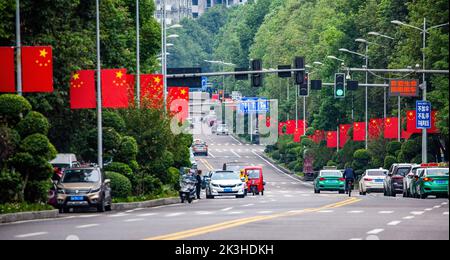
379,181
228,190
77,198
441,182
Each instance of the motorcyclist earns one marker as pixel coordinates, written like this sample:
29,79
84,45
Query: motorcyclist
243,175
349,176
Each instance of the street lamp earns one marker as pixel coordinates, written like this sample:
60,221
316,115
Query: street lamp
380,35
424,32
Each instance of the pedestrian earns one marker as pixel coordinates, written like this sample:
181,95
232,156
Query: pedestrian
349,176
198,185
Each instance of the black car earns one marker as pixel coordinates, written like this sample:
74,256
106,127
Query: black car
393,184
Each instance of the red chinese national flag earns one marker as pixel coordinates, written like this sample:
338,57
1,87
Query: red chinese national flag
82,90
391,128
114,88
178,102
298,135
434,119
290,127
318,136
376,127
37,69
281,128
131,83
359,131
411,122
152,90
343,135
332,139
7,68
406,135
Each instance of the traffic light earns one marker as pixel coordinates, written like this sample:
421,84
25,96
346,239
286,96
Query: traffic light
299,63
303,89
316,84
241,76
352,85
257,78
284,74
339,85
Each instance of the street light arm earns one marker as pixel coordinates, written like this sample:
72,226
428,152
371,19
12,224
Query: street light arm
438,26
407,25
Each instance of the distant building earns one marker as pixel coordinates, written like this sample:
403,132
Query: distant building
176,10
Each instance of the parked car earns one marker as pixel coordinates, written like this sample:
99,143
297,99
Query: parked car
372,181
409,179
225,183
84,188
329,180
393,183
200,148
65,161
222,129
430,181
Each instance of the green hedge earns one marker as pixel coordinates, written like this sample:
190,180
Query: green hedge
33,123
120,185
13,107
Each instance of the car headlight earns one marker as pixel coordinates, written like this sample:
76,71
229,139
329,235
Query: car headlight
95,190
214,185
62,191
240,184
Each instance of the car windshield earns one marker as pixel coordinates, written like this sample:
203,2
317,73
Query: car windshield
403,171
438,172
60,165
218,176
331,174
81,176
253,174
376,173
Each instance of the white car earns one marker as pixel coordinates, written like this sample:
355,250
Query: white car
225,183
372,181
408,180
222,130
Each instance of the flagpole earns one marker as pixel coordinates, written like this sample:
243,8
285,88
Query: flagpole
99,91
138,58
18,50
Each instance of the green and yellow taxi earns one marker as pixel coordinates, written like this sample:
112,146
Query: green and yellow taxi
329,180
430,182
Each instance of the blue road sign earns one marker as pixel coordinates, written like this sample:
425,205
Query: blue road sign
423,114
204,83
254,105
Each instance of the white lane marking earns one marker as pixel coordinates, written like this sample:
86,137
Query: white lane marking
263,202
134,220
355,212
235,212
429,209
31,235
203,213
265,212
88,216
417,212
218,150
175,214
248,205
87,226
444,203
326,211
385,212
394,223
375,231
445,213
355,239
226,209
437,207
147,214
409,217
212,155
283,183
294,183
119,215
239,142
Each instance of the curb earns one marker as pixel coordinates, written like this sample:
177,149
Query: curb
24,216
145,204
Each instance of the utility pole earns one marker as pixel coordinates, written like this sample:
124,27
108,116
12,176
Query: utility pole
18,50
138,58
99,92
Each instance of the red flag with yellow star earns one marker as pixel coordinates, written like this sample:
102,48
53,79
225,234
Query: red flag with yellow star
152,90
178,102
332,139
82,90
131,82
391,128
343,135
7,68
114,88
376,127
359,131
37,69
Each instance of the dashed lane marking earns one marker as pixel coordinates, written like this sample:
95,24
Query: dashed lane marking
394,223
409,217
417,213
385,212
147,214
175,214
87,226
31,235
375,231
133,220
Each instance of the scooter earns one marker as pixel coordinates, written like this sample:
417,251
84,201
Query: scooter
187,190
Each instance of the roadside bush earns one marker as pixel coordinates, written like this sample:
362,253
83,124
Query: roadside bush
9,142
331,163
276,155
173,176
10,186
128,150
361,160
308,142
393,147
38,145
113,120
37,191
33,123
120,185
123,169
389,161
13,108
292,165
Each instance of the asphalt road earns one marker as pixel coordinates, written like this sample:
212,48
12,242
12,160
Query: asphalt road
288,210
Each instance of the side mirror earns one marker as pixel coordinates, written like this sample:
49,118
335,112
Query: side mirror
107,182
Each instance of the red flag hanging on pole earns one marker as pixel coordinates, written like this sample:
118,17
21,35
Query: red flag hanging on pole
411,122
434,129
7,70
152,90
114,88
178,102
318,136
298,135
332,139
281,128
376,127
131,82
290,127
359,131
391,128
343,135
37,69
82,90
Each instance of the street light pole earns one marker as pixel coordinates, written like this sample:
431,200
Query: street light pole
164,52
99,92
366,97
18,50
138,58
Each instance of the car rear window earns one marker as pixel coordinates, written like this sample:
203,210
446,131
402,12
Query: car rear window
253,174
376,173
438,172
331,174
403,171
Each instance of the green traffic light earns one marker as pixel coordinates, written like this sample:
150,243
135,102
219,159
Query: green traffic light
339,92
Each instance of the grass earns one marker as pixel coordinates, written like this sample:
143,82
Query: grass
23,207
163,195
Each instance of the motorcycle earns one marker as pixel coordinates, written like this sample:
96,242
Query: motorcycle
187,190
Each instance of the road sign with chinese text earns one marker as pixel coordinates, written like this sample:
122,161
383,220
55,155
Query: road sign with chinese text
423,115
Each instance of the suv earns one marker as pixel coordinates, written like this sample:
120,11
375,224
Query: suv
393,184
84,188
